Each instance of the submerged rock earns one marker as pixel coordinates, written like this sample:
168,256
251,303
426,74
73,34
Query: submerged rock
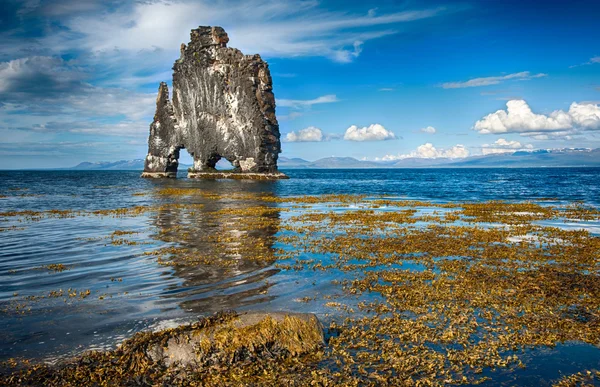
223,107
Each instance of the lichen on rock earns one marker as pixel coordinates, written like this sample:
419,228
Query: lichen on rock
222,107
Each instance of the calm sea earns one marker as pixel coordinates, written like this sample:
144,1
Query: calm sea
130,291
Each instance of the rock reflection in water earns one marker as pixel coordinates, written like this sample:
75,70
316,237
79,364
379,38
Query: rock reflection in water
222,250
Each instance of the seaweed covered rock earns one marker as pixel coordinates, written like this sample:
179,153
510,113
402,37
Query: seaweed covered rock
188,355
222,107
246,337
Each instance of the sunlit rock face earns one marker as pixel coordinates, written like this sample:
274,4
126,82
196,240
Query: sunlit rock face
222,107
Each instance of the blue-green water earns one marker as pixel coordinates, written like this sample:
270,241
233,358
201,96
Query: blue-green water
130,291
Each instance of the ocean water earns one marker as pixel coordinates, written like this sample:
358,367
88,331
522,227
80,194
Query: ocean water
130,291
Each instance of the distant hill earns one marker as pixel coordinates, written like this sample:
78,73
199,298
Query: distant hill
121,165
137,164
521,159
416,162
539,158
342,162
284,162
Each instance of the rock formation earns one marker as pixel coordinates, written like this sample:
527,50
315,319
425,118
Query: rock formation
223,107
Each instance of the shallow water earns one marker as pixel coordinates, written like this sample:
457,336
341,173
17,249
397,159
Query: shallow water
131,291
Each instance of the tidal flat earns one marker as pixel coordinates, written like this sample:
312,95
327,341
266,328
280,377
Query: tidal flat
419,278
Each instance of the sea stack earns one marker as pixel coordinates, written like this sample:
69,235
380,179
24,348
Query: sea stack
222,107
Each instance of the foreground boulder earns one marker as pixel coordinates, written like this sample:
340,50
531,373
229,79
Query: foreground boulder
249,336
191,354
223,107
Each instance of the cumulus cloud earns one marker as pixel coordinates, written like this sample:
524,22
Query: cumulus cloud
486,81
310,134
428,151
519,118
502,145
586,116
306,103
373,132
428,129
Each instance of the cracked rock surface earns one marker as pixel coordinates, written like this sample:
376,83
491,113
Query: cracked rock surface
222,107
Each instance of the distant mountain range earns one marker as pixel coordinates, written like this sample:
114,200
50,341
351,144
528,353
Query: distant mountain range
568,157
137,164
540,158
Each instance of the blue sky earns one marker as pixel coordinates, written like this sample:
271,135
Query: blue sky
374,80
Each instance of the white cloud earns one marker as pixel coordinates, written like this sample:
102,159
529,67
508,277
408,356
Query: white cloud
51,86
46,94
429,129
45,149
486,81
310,134
428,151
593,60
519,118
306,103
60,124
386,89
111,102
274,29
88,105
122,129
289,117
562,135
502,145
373,132
347,56
39,75
585,115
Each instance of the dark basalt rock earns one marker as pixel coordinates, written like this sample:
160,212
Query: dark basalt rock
223,107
